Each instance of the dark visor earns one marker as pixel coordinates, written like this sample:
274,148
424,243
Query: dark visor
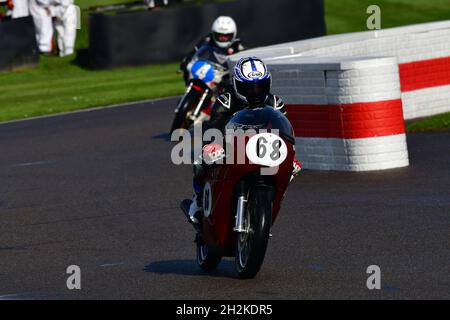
223,37
255,92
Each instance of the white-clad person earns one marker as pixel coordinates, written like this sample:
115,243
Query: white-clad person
156,3
20,9
42,17
66,15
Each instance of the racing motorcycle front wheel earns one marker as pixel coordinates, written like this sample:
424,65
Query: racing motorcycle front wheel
252,244
185,109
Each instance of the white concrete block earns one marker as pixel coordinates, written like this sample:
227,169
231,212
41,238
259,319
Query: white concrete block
426,102
353,154
303,99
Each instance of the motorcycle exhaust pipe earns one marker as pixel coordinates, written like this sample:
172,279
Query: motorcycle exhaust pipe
239,226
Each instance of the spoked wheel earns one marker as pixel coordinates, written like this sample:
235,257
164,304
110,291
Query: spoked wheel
252,244
207,258
182,121
186,106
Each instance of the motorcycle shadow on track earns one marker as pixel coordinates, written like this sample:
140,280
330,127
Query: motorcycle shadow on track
162,136
190,268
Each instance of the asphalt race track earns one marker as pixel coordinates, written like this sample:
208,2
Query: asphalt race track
98,190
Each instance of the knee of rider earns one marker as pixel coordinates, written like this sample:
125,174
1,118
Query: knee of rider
198,187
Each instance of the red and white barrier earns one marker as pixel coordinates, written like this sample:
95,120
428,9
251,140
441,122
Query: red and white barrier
340,121
422,52
348,95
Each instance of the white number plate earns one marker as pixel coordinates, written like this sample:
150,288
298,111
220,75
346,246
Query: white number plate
266,149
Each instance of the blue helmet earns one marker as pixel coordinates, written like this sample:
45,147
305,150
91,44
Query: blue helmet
251,80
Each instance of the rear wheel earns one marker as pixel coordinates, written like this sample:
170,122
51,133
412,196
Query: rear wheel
251,245
207,258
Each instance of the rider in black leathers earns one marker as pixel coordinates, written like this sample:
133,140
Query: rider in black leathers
223,36
251,86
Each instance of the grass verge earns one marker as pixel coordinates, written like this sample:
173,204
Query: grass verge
440,122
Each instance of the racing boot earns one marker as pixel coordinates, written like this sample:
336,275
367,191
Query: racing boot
196,210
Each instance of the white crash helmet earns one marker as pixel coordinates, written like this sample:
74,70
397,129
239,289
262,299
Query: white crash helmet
224,31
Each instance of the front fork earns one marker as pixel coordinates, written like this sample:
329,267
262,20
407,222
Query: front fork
242,194
241,207
189,88
194,115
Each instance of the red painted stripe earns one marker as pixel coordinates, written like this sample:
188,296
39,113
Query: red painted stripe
348,121
424,74
197,88
208,109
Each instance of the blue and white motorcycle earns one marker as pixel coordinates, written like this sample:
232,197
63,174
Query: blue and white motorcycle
208,76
